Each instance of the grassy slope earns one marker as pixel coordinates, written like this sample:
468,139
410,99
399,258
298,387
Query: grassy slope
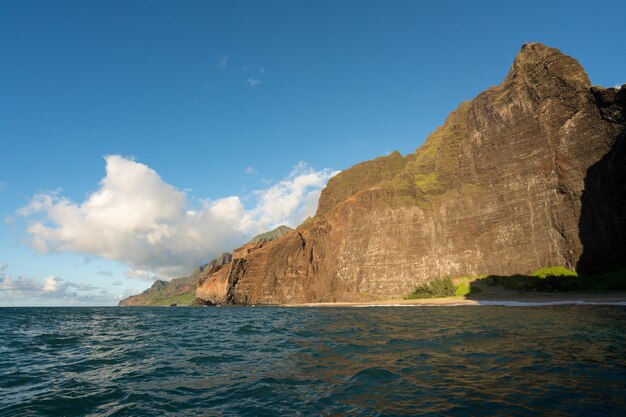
272,235
183,299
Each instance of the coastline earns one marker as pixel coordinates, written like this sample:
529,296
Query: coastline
511,299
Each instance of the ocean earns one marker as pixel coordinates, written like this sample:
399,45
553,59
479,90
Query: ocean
273,361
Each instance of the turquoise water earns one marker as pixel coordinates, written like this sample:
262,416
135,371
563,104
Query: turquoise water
328,361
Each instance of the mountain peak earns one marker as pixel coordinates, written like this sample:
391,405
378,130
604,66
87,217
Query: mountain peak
536,62
536,46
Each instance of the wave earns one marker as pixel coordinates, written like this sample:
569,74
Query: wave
106,362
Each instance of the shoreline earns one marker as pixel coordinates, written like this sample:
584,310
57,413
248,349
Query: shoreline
512,299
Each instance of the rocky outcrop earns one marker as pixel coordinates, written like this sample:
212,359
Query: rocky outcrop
215,287
180,291
526,175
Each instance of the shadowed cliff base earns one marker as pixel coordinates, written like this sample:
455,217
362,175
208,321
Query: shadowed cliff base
603,202
561,281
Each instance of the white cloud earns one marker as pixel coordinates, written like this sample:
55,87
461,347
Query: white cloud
142,275
223,61
253,82
291,200
138,219
51,291
51,284
250,170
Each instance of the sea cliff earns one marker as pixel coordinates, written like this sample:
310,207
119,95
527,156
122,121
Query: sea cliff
526,175
530,173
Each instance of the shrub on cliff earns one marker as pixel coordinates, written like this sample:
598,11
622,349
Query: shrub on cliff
443,287
553,271
465,288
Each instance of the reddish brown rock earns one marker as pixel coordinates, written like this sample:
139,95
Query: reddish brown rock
528,174
213,286
180,290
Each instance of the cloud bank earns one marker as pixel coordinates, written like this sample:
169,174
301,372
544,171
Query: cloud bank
51,291
140,220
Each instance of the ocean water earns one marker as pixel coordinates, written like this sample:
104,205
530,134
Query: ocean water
480,361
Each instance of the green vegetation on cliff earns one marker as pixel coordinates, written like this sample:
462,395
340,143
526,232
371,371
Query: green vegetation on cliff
549,279
358,178
280,231
443,287
553,271
184,299
559,278
465,288
307,222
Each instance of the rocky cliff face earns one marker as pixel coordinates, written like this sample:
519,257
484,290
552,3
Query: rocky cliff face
528,174
180,291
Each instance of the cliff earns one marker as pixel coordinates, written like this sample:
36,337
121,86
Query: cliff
182,291
528,174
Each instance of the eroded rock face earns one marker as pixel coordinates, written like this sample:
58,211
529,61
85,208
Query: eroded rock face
498,189
162,292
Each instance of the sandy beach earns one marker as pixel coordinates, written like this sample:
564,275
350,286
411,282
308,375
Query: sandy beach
503,298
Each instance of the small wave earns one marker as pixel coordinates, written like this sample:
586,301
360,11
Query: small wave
279,361
374,374
212,359
247,329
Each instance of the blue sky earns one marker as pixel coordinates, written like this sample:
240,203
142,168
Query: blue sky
228,109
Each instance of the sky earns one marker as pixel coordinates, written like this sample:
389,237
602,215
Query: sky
139,139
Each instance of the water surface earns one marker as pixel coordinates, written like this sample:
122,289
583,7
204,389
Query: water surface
565,360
